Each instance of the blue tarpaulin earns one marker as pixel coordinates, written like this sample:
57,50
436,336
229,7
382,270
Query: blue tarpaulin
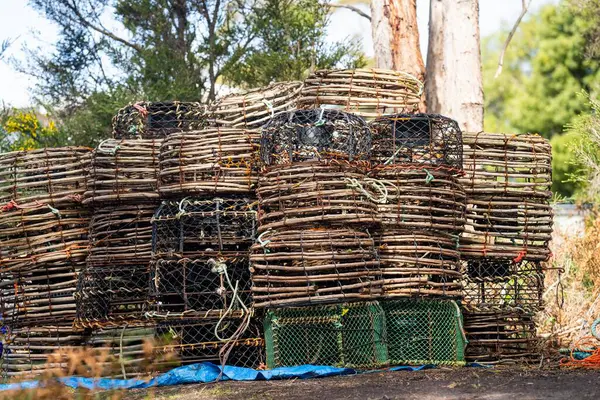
203,373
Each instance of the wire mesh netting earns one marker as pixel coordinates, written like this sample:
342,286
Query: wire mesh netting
51,176
255,107
114,287
419,264
123,171
194,226
129,351
314,193
297,267
417,139
504,336
200,259
500,268
315,134
210,161
231,341
344,335
25,350
421,331
366,92
523,291
148,120
200,285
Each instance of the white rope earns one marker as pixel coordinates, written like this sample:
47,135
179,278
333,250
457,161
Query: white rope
112,151
219,267
181,204
378,185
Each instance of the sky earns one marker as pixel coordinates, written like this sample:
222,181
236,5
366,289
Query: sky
26,28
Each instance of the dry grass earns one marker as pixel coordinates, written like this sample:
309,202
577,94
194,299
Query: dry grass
93,363
572,295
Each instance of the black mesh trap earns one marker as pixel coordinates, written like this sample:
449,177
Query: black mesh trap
428,139
305,135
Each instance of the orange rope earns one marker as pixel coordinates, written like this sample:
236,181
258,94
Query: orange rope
590,362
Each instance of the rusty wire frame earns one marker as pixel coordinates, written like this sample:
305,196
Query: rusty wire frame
314,134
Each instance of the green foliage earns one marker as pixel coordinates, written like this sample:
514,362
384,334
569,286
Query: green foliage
289,42
110,52
585,128
545,67
23,130
565,167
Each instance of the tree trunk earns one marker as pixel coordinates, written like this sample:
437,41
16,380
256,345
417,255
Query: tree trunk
454,83
396,37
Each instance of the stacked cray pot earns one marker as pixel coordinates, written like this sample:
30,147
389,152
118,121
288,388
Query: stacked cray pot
336,235
506,242
43,247
416,162
200,277
113,294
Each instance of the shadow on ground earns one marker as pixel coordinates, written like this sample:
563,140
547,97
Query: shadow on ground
466,383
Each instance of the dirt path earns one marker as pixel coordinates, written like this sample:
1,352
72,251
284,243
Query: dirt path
466,383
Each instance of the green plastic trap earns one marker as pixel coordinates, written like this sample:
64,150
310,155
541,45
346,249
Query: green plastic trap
345,335
424,331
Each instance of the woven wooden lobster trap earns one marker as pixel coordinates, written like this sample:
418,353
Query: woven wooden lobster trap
42,235
42,251
311,266
211,161
32,351
501,336
507,180
325,193
200,259
114,287
419,264
255,107
366,92
40,296
426,140
152,120
123,171
51,176
422,215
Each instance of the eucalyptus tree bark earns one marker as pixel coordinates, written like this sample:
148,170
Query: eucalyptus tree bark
454,83
396,37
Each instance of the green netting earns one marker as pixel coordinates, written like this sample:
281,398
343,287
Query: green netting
424,331
345,335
